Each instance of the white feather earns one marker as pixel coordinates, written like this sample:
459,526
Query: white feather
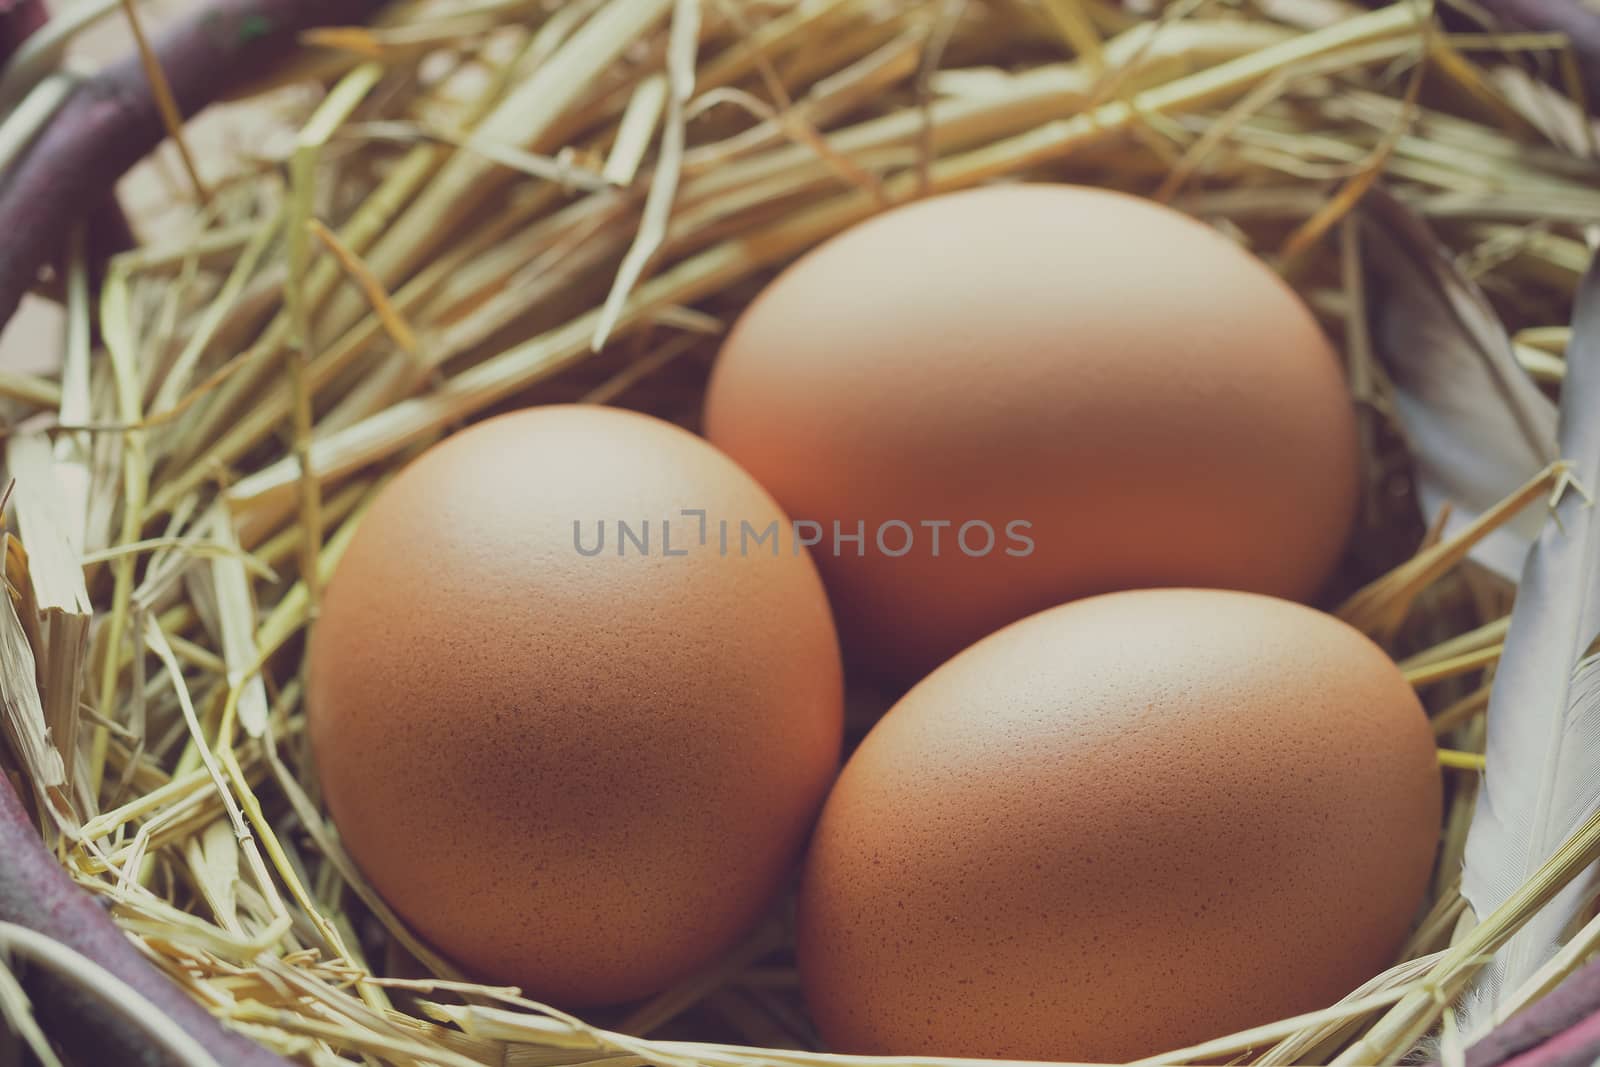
1543,759
1477,426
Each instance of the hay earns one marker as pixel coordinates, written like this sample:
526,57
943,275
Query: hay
484,192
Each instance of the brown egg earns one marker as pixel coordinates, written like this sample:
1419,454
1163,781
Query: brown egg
584,775
1119,827
1150,401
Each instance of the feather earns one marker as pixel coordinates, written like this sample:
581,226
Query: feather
1543,747
1477,425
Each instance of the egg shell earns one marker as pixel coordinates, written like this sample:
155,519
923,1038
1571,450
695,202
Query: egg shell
582,775
1120,827
1152,400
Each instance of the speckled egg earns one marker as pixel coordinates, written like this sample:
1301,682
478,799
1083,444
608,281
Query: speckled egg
1119,827
575,743
998,400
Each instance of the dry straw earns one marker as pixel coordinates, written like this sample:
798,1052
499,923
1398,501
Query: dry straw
476,196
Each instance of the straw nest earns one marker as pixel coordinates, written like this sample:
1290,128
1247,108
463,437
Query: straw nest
474,207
